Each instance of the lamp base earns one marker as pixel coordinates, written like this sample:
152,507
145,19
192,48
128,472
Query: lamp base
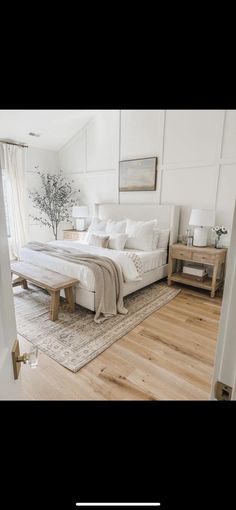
80,224
200,236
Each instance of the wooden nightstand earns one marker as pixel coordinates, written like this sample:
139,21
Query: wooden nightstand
74,235
207,255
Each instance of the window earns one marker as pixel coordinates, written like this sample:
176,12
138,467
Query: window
6,197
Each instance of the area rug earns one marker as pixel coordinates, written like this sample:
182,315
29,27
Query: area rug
75,339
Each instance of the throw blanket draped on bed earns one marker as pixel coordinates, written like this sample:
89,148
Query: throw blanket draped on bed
108,278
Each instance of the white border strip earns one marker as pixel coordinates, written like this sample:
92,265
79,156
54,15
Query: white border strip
118,504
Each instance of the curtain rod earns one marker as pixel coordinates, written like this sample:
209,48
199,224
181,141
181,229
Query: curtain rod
18,144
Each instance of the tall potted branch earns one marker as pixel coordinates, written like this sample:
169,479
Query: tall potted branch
54,200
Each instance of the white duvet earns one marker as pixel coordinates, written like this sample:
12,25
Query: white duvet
130,269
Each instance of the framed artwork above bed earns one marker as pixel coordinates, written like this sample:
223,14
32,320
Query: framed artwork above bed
138,174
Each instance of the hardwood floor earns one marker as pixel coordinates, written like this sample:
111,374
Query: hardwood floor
169,356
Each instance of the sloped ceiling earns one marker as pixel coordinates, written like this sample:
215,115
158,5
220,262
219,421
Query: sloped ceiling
55,127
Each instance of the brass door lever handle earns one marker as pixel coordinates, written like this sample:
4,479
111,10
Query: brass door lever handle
29,358
24,358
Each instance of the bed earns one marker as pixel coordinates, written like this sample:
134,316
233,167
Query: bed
154,263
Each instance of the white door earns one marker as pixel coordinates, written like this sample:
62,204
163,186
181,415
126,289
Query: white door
9,388
225,362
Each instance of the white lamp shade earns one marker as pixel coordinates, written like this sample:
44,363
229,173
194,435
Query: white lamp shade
80,211
202,217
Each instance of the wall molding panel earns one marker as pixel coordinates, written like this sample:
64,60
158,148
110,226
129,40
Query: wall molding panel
219,153
194,149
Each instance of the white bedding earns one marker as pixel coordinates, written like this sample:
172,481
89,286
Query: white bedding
150,261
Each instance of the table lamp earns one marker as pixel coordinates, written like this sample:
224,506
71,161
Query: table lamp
200,219
80,212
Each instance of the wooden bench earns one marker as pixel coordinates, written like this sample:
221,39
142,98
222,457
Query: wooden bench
46,279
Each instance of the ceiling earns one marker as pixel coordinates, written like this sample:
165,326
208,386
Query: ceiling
55,127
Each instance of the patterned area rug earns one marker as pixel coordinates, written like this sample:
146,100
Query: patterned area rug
74,339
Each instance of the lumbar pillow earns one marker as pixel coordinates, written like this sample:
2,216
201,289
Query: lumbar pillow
141,235
89,234
98,240
117,241
116,227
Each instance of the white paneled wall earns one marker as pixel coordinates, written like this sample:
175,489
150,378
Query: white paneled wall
141,133
226,195
141,137
196,152
191,137
97,151
189,187
73,157
229,139
102,142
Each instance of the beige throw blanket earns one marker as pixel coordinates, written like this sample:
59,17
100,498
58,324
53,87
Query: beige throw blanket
108,278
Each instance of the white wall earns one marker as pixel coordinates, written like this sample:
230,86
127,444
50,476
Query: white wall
196,153
91,159
47,162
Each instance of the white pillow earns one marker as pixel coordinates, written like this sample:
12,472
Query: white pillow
163,238
116,227
117,241
97,225
141,235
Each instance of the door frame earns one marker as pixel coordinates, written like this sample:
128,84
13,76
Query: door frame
10,389
225,358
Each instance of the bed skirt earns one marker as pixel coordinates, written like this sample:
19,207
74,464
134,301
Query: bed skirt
86,298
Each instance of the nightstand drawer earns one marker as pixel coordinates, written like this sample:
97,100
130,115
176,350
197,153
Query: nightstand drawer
74,235
68,235
203,257
181,254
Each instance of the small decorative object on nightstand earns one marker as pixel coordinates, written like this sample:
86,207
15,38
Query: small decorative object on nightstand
208,255
219,231
74,235
189,237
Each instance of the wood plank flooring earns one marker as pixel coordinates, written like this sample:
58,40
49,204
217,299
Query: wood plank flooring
169,356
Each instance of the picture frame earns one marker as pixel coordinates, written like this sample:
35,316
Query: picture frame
138,174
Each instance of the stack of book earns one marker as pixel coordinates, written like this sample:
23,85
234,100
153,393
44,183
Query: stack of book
198,273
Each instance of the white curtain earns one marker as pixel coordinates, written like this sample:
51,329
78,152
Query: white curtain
12,160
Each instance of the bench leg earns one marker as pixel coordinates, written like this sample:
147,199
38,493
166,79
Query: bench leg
19,281
54,305
24,285
70,298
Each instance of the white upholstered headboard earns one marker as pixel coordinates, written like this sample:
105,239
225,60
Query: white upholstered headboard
166,215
